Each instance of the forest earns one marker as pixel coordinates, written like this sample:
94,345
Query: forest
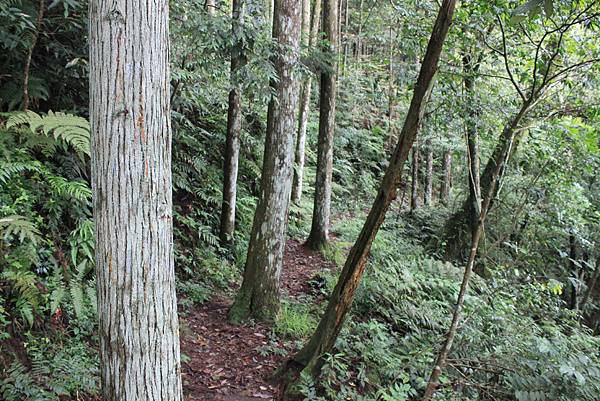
323,200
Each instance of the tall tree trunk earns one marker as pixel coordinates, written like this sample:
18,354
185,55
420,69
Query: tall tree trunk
319,232
234,127
429,173
210,6
258,296
131,183
495,179
414,191
473,176
341,299
345,38
27,69
305,95
447,179
359,33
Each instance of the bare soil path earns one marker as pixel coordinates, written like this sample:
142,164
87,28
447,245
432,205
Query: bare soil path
225,362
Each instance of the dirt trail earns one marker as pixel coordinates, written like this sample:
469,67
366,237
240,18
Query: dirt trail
225,360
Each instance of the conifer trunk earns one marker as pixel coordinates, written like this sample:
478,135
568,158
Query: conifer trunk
429,173
258,296
305,95
234,128
319,232
341,299
131,183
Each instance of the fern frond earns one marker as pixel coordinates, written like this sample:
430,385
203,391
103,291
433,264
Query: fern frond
20,226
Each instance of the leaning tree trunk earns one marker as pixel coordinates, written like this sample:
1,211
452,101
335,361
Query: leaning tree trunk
299,156
319,232
429,173
131,182
341,299
27,69
258,296
414,189
447,178
234,127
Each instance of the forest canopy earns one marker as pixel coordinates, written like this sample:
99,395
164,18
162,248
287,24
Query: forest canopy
300,200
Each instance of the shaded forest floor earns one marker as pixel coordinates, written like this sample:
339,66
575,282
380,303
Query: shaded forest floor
234,363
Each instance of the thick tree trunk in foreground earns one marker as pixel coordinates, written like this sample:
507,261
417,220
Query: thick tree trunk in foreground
234,128
447,178
495,179
304,109
259,295
414,188
429,174
319,232
131,182
341,299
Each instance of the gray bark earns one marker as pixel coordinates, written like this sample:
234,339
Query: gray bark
429,173
259,294
131,182
234,128
304,100
319,233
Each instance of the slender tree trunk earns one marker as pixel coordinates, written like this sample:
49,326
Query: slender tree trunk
210,6
27,69
319,232
573,304
131,182
341,299
258,296
414,192
447,179
305,95
345,38
429,173
495,179
234,128
472,143
457,225
359,33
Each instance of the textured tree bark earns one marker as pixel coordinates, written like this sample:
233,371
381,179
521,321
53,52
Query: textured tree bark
414,189
319,232
323,338
258,296
304,100
131,182
447,179
234,128
429,173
